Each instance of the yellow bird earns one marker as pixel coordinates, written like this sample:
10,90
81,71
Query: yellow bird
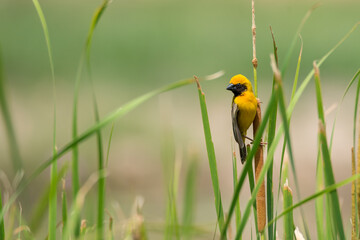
243,110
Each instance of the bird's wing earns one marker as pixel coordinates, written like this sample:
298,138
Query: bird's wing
236,130
237,133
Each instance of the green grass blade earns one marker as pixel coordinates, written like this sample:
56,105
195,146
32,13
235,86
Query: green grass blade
271,135
287,141
118,113
2,225
64,208
101,184
189,196
326,190
9,128
356,109
252,185
109,144
248,162
53,174
288,218
319,202
212,159
328,171
235,180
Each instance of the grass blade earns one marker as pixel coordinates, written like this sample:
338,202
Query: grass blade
64,208
328,172
288,218
2,225
286,127
235,180
53,174
9,128
319,202
212,158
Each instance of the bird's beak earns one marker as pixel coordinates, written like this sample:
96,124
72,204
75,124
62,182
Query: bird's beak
230,87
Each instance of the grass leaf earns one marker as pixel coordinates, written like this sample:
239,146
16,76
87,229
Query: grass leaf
53,173
328,171
288,218
212,159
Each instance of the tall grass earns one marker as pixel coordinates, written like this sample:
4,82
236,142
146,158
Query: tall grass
326,196
53,174
212,159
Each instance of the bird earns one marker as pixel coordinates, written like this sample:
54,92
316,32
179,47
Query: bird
243,110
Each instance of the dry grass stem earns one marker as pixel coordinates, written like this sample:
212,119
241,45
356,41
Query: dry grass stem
253,28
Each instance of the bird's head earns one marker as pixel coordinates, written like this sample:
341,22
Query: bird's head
239,84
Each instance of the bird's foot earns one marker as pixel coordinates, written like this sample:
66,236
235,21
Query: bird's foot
252,141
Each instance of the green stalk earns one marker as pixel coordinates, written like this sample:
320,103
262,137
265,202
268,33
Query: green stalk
212,159
271,135
252,185
288,218
53,174
2,225
64,209
235,179
319,202
328,171
75,172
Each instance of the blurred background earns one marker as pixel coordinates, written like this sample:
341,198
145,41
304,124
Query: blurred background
142,45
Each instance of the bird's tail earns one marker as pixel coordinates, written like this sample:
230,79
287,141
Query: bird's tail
242,153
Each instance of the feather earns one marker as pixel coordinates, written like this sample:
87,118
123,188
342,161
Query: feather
237,133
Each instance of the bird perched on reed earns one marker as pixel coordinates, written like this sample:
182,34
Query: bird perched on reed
243,110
